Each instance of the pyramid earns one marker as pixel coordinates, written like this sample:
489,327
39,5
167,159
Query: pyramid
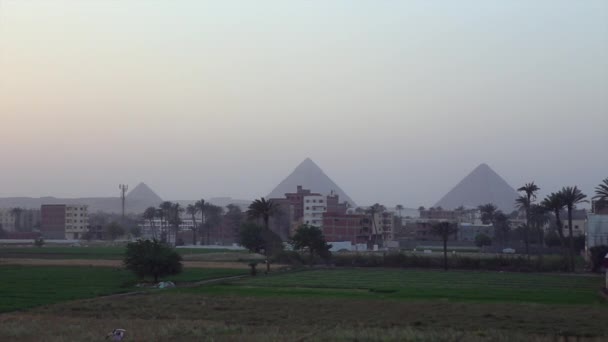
143,194
481,186
309,176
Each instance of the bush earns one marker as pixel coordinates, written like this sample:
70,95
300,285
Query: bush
152,258
39,242
482,240
598,253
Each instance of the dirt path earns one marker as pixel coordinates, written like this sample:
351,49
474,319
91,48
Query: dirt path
114,263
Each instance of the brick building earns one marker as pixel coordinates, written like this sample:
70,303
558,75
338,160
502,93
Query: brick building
60,221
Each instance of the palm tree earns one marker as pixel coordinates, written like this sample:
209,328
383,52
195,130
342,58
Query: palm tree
201,206
444,230
16,212
372,211
164,211
529,190
488,211
538,220
399,209
501,224
261,208
175,219
555,204
150,215
571,197
601,191
192,210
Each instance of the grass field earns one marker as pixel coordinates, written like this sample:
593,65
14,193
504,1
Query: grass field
309,305
29,286
418,284
97,252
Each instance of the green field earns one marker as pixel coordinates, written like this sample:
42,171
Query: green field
97,252
312,305
29,286
421,285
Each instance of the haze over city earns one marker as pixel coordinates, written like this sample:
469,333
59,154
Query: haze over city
395,101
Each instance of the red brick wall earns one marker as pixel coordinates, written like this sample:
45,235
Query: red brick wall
52,221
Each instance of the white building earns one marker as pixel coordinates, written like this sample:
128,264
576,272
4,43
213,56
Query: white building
314,207
597,230
76,221
7,220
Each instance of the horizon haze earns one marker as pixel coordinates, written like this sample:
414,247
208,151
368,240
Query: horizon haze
395,101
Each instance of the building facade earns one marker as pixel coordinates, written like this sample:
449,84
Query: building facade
60,221
314,207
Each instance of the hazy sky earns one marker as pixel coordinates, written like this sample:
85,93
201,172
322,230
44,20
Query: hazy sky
395,100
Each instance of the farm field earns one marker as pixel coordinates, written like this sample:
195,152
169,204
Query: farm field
423,284
95,252
315,305
29,286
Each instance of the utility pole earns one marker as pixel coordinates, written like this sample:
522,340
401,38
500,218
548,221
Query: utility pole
123,191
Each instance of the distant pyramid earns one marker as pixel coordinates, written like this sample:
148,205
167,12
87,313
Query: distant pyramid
143,194
309,176
481,186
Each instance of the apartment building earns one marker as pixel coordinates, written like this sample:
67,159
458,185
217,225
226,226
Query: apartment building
61,221
314,207
19,220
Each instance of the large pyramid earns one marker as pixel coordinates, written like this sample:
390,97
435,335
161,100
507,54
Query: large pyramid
309,176
481,186
142,197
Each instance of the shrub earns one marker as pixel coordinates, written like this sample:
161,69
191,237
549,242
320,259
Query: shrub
482,240
152,258
598,253
39,242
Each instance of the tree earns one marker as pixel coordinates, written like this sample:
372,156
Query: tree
234,219
152,258
372,212
16,213
150,214
114,230
135,231
258,239
571,196
192,210
487,213
399,209
601,195
555,203
524,202
213,218
174,218
482,240
444,230
538,220
502,225
163,212
311,238
201,206
261,208
601,191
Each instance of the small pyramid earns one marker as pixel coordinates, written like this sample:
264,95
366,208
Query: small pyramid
142,193
481,186
310,176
